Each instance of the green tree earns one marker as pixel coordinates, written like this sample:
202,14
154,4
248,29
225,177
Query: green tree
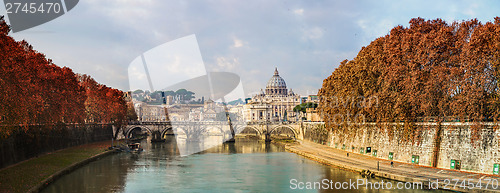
169,93
184,94
302,107
138,91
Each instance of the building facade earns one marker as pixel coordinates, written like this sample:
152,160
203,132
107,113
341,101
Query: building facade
275,103
150,113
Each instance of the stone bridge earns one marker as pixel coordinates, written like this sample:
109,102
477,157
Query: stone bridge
195,130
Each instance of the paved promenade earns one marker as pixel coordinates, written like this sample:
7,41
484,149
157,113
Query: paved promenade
446,179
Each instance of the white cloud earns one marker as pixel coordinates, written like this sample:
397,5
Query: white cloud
168,64
238,43
293,35
313,33
299,11
123,11
370,30
471,10
226,64
362,23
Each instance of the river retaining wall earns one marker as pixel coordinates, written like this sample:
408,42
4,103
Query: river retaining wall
445,145
30,141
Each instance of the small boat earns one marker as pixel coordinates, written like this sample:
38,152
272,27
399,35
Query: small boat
135,148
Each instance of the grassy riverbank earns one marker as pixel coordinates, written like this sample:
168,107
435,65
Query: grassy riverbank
25,175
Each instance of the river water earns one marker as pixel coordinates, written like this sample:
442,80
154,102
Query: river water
244,166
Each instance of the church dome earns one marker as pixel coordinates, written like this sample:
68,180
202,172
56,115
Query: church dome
276,81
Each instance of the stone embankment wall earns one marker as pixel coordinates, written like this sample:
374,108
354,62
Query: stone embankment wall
447,145
315,132
27,142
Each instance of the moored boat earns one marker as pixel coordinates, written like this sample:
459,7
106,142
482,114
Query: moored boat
135,148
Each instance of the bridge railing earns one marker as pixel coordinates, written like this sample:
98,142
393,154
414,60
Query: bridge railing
209,122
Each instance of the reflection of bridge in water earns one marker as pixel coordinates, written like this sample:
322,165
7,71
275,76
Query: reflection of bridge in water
196,130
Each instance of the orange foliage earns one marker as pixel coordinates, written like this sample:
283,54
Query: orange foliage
430,68
33,90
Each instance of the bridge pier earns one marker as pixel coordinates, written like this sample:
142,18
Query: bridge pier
117,135
156,136
267,137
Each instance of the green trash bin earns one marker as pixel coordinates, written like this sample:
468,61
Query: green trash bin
415,159
452,164
391,155
496,167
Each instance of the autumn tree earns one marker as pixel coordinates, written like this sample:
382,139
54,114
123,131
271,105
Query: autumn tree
103,104
33,90
429,69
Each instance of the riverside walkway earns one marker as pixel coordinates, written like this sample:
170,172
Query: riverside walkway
431,178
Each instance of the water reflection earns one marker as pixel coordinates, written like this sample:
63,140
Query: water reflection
245,146
246,166
96,178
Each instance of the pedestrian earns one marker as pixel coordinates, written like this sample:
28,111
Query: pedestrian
347,154
392,164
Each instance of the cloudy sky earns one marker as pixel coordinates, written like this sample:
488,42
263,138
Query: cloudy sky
305,40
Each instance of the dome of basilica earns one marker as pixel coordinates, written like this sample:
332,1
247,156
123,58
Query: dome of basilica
276,81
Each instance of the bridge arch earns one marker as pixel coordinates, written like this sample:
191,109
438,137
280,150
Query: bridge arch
175,130
243,128
207,128
129,129
166,131
274,129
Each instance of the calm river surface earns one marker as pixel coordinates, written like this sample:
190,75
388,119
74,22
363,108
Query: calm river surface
244,166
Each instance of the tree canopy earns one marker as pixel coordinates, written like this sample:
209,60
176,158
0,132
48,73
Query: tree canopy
33,90
302,107
430,68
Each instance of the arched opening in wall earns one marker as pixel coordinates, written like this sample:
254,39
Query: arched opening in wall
282,133
169,131
168,134
138,133
212,131
249,132
180,134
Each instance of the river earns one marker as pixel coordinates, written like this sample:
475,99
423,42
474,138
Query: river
243,166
